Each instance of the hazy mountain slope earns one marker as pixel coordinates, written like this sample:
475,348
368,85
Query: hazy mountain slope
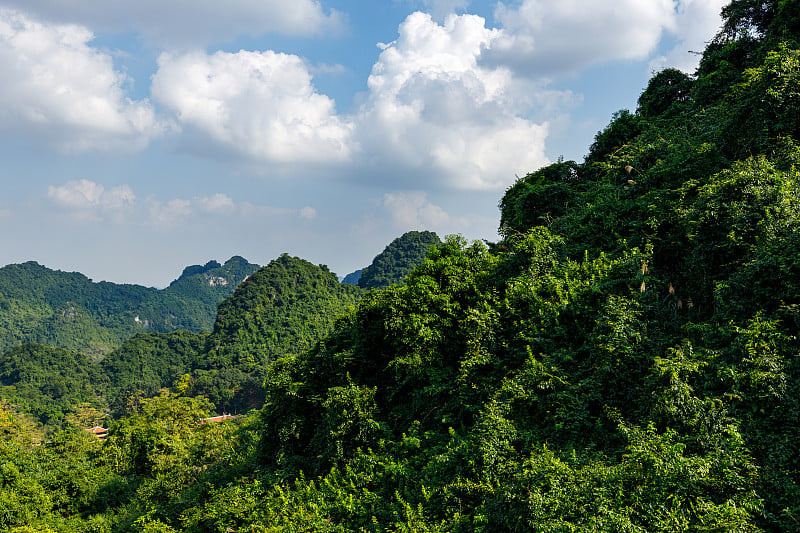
353,277
68,310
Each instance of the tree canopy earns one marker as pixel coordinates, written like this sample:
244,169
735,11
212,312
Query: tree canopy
398,260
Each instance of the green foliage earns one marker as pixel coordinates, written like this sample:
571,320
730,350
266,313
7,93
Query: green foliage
147,363
746,17
68,310
398,260
47,382
668,88
151,440
765,106
539,197
204,288
281,309
624,128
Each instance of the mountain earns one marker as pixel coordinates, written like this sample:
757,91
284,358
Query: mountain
280,309
146,363
398,260
623,359
204,288
353,277
284,308
68,310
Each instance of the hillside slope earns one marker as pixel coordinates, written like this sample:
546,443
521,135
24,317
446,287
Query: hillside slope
398,260
68,310
282,309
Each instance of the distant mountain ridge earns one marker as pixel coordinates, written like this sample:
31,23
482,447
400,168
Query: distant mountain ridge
353,277
215,329
283,308
69,310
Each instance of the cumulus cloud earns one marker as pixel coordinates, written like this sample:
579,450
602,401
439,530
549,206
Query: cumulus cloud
85,194
696,23
413,210
190,22
545,38
308,213
58,90
432,109
258,104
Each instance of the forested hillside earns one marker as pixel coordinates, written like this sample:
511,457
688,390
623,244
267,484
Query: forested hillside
398,260
281,309
625,358
68,310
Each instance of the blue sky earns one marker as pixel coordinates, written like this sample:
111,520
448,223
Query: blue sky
139,137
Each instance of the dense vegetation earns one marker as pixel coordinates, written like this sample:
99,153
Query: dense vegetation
68,310
624,359
145,364
281,309
48,382
398,260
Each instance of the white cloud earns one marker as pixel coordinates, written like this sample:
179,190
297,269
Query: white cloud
218,203
308,213
258,104
190,22
85,194
168,213
434,115
88,200
172,212
696,23
544,38
185,212
58,90
413,210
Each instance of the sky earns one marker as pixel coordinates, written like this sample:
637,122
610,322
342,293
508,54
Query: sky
141,136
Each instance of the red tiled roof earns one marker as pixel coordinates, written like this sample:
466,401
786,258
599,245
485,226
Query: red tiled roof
219,418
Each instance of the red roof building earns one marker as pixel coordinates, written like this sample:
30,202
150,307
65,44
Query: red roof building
99,432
